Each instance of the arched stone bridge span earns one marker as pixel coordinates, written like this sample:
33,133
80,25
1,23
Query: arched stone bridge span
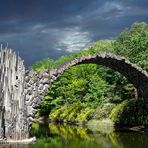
37,84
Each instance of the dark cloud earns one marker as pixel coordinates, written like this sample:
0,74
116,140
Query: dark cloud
48,28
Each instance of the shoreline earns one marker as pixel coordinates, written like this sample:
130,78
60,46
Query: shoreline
96,123
23,141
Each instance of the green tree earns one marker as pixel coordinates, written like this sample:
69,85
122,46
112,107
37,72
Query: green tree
133,44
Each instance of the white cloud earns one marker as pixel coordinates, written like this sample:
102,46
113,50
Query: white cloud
108,6
38,26
58,49
75,40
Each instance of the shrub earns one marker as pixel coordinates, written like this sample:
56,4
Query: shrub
130,113
75,112
104,111
85,115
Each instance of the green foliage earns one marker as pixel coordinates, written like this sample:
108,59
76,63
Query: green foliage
100,46
133,44
130,113
43,64
75,112
119,86
103,112
79,87
50,64
48,104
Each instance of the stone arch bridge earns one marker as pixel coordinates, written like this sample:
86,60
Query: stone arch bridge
18,108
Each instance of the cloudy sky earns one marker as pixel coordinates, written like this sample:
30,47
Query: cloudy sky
38,29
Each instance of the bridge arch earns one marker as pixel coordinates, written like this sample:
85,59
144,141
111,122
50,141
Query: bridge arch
37,84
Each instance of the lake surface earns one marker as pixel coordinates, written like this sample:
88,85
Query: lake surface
66,136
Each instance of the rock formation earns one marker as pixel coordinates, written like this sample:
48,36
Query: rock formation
13,109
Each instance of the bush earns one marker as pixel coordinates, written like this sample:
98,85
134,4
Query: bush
104,111
85,115
130,113
75,112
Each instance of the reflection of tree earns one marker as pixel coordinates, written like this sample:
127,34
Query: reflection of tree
113,137
56,135
129,139
40,130
70,132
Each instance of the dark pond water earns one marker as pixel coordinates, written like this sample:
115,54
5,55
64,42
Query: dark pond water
65,136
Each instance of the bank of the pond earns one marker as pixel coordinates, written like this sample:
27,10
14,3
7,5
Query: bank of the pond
104,123
23,141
